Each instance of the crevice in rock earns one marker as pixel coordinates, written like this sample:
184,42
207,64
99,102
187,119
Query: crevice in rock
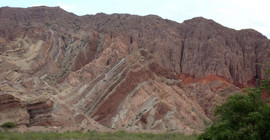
257,68
98,48
182,53
131,40
231,70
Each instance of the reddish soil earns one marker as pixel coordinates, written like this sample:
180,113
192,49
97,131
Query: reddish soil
188,79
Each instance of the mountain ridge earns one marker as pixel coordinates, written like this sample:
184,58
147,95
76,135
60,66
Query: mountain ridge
121,71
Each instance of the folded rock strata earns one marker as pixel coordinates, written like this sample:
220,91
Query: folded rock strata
121,71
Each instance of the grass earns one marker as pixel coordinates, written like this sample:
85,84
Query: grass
93,135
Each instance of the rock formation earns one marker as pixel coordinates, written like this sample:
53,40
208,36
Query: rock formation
121,71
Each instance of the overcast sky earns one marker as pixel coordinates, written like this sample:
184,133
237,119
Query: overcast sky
237,14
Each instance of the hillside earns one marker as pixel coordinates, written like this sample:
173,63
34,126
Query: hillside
121,71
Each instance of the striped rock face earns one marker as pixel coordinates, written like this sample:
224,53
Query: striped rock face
121,71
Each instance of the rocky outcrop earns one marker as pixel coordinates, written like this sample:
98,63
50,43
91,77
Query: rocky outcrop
12,109
40,113
22,113
137,94
121,71
198,46
8,102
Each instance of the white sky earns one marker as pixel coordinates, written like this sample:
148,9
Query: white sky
237,14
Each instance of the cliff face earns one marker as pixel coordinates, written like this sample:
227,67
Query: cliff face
121,71
198,46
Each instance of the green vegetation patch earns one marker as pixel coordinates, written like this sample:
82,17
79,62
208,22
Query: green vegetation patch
242,116
94,135
8,125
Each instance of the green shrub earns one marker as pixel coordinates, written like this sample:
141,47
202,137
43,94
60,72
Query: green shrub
8,125
242,117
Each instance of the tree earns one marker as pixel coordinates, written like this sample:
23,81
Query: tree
242,117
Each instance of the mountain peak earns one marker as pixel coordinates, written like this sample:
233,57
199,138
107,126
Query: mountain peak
201,21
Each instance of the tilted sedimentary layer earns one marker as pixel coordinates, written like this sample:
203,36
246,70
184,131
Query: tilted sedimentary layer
121,71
